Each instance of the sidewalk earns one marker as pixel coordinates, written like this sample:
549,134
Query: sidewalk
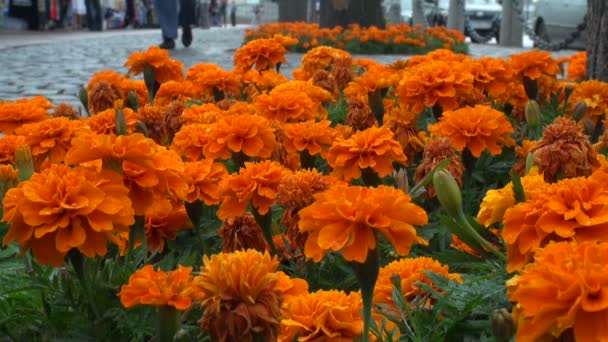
57,64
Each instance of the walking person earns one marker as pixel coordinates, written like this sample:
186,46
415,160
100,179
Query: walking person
169,20
94,15
233,13
222,12
213,13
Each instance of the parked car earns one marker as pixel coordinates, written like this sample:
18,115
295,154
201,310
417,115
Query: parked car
555,20
483,15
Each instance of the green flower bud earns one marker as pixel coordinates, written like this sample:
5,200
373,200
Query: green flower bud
448,192
121,122
24,162
579,110
84,98
140,127
133,101
503,326
401,179
533,114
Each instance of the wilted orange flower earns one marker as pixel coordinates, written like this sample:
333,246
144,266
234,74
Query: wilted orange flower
23,111
50,139
8,146
595,95
496,201
165,68
534,64
103,95
373,148
152,117
241,233
359,114
286,105
256,183
577,66
105,122
260,53
310,136
572,209
437,150
65,110
149,287
62,208
250,134
348,218
324,79
209,77
477,128
162,220
403,125
203,180
562,289
564,152
323,316
239,294
428,84
492,75
190,140
412,271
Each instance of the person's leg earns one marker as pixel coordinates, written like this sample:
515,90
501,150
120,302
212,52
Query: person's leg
187,17
167,17
98,20
90,14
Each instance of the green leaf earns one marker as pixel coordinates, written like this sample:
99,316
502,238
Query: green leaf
518,188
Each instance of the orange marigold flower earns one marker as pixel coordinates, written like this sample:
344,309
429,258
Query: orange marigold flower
105,122
437,150
564,152
239,294
210,77
562,289
165,68
522,155
190,140
377,77
65,110
595,95
62,208
263,80
348,218
477,128
174,91
373,148
492,75
152,117
250,134
359,114
203,114
403,125
111,77
149,287
241,233
161,222
439,55
321,58
9,178
323,316
256,183
203,179
260,53
534,64
103,96
310,136
412,272
23,111
50,139
577,66
572,209
291,288
318,95
428,84
8,146
324,79
286,105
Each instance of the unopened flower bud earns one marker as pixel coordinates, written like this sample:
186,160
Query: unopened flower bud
448,192
121,122
503,326
533,114
84,98
579,110
132,101
402,181
24,162
140,127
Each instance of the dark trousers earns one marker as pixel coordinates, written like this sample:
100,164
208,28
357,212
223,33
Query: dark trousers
94,15
169,18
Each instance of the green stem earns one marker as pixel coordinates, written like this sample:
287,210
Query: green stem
370,177
377,105
77,261
463,222
239,159
306,160
265,222
367,274
168,323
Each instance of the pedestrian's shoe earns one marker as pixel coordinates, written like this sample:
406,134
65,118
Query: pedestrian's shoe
167,44
187,35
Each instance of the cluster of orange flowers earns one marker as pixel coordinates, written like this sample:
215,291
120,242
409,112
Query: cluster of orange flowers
394,39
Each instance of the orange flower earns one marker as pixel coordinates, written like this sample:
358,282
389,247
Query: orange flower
241,233
534,64
492,75
105,122
203,180
359,114
263,80
165,68
210,77
412,272
256,183
50,138
373,148
286,105
377,77
323,58
347,219
291,288
149,287
318,95
477,128
238,292
311,136
174,90
250,134
260,53
577,66
572,209
564,151
190,140
103,95
8,146
162,220
595,95
9,178
65,110
437,150
203,114
428,84
563,289
323,316
441,55
62,208
23,111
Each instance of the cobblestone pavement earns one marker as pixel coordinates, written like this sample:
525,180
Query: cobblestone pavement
57,65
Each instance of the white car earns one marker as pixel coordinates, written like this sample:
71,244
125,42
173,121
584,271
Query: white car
483,15
555,20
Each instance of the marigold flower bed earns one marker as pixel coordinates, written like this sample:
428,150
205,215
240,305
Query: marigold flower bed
438,198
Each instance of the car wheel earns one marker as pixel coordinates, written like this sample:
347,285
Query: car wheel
541,32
